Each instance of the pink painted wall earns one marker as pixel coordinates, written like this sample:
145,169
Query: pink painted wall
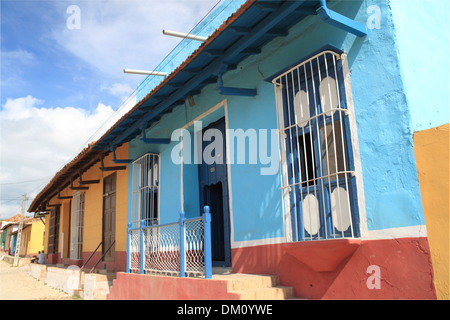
405,270
129,286
330,269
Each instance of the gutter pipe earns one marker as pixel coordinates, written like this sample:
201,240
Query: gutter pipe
340,21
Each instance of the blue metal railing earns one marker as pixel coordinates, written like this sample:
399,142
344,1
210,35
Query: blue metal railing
179,248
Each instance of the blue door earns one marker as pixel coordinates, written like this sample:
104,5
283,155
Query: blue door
12,247
213,185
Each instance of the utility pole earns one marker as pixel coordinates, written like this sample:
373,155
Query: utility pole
19,233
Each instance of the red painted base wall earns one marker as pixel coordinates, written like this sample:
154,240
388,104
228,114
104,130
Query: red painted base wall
118,265
129,286
338,269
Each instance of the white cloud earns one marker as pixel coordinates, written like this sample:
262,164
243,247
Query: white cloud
18,56
37,141
128,34
120,89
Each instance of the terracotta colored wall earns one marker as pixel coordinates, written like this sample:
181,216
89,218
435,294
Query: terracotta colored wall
129,286
340,269
431,148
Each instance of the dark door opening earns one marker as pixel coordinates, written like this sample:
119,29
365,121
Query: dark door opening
214,196
213,184
53,236
109,217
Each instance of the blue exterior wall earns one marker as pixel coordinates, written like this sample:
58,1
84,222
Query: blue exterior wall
385,116
422,33
12,246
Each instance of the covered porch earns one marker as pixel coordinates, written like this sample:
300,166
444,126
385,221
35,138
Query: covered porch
179,249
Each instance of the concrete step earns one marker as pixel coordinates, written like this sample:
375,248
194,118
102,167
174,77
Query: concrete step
221,270
97,286
78,293
272,293
256,287
103,271
240,281
110,274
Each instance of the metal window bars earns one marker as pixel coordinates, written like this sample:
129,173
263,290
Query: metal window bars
145,189
318,185
76,244
178,249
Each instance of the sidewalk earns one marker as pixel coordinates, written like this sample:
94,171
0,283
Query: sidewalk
15,284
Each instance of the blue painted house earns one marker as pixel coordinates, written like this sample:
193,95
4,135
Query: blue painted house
293,121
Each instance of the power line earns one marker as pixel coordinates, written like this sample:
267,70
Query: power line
26,181
126,101
149,78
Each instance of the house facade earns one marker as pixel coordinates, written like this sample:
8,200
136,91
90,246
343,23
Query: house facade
9,237
85,206
32,236
302,127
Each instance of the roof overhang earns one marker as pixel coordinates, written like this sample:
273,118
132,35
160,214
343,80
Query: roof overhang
252,26
243,34
63,178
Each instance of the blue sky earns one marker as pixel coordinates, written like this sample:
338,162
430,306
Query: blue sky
59,85
35,61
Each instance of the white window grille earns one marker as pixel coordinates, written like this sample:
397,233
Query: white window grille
76,243
145,190
317,169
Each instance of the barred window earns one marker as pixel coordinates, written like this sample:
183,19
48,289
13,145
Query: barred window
317,162
53,234
76,246
145,190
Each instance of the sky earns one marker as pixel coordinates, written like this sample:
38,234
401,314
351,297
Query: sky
62,80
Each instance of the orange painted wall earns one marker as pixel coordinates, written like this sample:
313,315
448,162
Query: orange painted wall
64,228
432,148
64,223
93,208
26,235
46,231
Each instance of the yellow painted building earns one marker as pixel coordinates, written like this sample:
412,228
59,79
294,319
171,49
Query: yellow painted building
87,212
432,148
32,237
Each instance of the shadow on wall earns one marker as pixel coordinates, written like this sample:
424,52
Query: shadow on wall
345,269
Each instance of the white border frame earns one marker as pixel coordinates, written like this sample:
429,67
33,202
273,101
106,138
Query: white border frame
224,104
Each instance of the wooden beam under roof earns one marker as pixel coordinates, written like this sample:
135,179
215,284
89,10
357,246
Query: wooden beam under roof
111,168
72,187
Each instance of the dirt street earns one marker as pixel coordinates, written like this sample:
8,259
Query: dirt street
15,284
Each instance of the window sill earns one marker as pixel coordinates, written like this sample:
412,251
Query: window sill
322,255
